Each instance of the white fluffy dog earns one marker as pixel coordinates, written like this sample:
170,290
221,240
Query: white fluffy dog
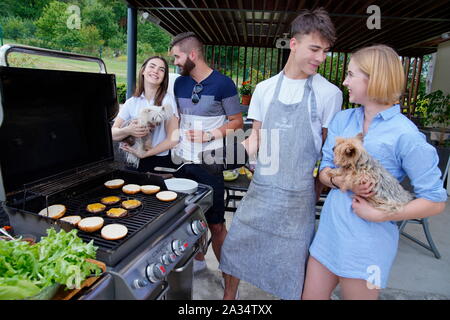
149,116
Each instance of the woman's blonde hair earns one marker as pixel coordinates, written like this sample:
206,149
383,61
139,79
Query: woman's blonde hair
385,71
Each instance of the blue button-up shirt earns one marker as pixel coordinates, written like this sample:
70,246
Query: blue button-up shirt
347,244
396,143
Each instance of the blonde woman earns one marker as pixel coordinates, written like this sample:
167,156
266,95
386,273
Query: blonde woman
355,244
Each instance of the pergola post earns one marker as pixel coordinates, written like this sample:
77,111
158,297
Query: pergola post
131,49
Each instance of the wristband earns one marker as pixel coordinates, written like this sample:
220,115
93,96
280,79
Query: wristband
331,180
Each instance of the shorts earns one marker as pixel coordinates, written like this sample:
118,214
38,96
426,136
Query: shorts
213,178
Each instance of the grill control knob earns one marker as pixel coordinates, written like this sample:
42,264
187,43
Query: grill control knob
178,247
155,272
168,258
140,283
197,227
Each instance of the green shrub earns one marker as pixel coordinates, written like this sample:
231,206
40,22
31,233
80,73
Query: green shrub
144,50
13,28
121,92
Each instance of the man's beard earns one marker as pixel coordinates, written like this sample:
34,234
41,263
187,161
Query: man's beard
187,68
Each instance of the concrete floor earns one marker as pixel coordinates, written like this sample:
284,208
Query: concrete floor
415,275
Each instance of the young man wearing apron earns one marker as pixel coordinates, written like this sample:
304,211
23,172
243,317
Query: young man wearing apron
271,231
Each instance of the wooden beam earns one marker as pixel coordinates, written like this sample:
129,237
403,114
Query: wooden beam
251,65
331,67
214,20
412,110
348,24
205,21
262,22
245,65
344,70
265,58
418,32
179,22
233,23
225,25
272,15
423,8
283,18
411,85
243,21
195,20
174,28
337,68
406,66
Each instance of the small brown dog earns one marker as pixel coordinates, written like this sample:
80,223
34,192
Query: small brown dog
356,166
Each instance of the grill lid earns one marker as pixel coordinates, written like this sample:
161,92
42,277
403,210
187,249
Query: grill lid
53,121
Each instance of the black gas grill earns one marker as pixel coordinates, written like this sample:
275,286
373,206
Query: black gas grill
57,149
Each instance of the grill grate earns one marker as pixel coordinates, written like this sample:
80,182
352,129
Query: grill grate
151,209
146,221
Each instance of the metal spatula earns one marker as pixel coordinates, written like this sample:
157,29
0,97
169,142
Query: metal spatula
171,170
6,233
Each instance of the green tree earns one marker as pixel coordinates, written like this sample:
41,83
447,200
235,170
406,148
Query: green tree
102,17
13,28
53,29
91,39
119,9
28,9
151,34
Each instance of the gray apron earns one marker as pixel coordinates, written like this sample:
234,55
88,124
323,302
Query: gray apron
271,232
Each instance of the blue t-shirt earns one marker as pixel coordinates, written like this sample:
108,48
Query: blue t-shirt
218,99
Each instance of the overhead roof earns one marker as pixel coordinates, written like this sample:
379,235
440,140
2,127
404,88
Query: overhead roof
412,27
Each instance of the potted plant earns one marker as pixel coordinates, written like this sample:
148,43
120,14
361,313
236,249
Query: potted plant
246,92
433,111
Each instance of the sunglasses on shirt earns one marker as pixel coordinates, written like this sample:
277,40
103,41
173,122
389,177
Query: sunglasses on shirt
197,89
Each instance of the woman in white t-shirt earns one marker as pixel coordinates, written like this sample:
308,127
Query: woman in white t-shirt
151,90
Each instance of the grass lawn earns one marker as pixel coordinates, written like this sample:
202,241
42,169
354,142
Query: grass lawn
113,65
117,66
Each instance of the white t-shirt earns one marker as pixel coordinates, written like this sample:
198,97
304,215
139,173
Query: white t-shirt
328,97
132,107
172,78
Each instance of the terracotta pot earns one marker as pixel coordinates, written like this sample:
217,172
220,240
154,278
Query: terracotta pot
246,99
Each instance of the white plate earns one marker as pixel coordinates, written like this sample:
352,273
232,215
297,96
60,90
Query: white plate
181,185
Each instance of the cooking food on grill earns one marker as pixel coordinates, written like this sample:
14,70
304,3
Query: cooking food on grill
95,207
116,212
55,211
131,188
114,231
131,204
114,184
91,224
110,200
150,189
71,219
166,195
